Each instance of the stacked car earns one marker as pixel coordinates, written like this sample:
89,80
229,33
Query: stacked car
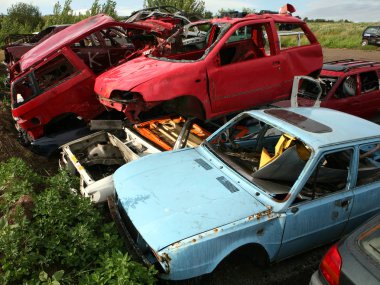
161,90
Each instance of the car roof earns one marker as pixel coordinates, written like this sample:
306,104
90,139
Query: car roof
343,66
66,37
276,17
337,127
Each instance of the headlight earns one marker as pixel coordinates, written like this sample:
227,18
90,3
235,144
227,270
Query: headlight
125,96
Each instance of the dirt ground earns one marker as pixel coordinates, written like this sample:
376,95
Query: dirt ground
330,54
236,271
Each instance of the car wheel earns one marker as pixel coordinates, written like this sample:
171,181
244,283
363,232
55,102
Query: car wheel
364,43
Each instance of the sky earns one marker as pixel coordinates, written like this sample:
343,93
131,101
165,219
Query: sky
353,10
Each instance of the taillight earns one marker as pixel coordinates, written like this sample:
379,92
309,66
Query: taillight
331,265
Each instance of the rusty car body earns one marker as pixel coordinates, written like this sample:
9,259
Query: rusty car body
95,157
213,67
52,84
270,183
351,86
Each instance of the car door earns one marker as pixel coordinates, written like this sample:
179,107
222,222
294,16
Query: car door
366,191
369,93
247,71
320,211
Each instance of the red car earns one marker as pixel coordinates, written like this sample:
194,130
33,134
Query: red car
350,86
52,84
215,67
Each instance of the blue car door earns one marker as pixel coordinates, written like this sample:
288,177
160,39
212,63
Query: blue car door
320,211
367,189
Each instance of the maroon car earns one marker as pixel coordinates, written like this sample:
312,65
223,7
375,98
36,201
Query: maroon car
350,86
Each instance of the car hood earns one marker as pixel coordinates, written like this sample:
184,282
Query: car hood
175,195
133,73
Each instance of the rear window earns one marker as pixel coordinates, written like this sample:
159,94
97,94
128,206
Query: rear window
291,35
372,30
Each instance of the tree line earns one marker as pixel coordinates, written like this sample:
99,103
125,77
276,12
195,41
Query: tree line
24,18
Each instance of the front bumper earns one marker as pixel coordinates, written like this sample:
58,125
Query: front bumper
132,248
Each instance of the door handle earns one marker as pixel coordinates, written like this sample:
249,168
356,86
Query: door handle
343,203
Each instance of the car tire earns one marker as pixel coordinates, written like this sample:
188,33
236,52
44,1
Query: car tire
364,43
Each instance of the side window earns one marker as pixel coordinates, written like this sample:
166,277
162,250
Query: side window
369,81
369,164
291,35
246,43
23,91
330,175
347,88
53,72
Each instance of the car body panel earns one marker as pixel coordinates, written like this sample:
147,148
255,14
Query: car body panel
178,203
69,36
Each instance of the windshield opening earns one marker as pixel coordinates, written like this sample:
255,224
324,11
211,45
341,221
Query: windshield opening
189,42
267,157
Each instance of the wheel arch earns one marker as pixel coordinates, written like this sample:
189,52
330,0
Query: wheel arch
186,105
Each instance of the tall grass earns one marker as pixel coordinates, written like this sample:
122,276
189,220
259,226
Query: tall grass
341,34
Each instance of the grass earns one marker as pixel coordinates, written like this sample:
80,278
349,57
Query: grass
341,35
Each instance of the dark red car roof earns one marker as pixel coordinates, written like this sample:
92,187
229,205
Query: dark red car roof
68,36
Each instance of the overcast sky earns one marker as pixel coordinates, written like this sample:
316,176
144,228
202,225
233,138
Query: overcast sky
353,10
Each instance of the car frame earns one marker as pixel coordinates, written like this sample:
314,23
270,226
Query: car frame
96,156
171,206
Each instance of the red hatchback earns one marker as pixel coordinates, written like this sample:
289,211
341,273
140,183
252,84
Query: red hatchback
215,67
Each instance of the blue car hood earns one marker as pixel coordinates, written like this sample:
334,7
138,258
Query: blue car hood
170,196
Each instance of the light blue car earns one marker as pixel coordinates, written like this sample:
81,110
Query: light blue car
272,183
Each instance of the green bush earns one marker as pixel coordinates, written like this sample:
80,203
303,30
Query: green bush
118,268
64,238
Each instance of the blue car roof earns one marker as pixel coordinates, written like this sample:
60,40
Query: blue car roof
331,126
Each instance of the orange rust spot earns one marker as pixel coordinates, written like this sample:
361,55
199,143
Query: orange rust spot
216,230
177,244
194,240
250,218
